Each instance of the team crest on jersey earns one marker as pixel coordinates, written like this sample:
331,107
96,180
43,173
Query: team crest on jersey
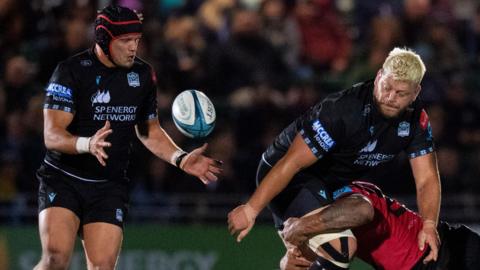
133,79
403,129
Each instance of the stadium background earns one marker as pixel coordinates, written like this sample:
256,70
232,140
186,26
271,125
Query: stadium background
262,62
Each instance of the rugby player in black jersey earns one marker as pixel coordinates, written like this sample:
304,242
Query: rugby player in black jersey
340,140
96,103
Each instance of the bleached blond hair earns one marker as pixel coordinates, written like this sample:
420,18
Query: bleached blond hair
405,65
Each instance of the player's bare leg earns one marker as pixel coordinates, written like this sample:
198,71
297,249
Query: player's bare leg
58,229
102,242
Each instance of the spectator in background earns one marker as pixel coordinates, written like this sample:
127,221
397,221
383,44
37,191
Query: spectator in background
19,84
3,109
385,33
280,28
213,16
8,174
180,57
326,44
18,25
414,19
11,153
74,38
246,59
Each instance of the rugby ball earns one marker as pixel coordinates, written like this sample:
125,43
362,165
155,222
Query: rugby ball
193,114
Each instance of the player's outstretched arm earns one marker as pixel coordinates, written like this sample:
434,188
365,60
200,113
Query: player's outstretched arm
57,137
427,182
345,213
195,163
298,156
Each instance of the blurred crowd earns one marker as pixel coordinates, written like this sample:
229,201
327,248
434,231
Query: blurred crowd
262,62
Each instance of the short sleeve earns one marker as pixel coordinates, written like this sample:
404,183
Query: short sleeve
60,91
148,109
321,128
422,142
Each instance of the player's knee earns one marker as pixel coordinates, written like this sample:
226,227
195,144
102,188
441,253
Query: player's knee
104,263
54,259
334,250
323,264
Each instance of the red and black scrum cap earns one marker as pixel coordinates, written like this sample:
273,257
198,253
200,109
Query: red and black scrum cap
114,21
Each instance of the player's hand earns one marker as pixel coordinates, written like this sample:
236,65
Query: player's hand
196,164
241,220
429,236
294,261
292,232
97,143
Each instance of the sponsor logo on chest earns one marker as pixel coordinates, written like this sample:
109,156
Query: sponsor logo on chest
367,157
103,110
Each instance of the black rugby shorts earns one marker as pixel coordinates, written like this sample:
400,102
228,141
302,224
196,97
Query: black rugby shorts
90,201
303,194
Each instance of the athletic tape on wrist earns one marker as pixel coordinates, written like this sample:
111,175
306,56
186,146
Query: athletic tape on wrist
83,145
175,156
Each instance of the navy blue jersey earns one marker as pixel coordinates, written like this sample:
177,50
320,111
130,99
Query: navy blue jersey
349,136
94,93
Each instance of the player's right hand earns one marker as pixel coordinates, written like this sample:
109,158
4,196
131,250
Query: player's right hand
97,143
429,236
241,220
293,261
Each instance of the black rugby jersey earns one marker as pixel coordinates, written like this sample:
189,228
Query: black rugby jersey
349,136
94,93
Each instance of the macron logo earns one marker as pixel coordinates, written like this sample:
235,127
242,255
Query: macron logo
51,196
369,147
101,97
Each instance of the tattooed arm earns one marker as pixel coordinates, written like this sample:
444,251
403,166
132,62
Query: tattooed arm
345,213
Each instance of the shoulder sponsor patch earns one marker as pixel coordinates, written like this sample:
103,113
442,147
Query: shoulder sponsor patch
322,137
55,89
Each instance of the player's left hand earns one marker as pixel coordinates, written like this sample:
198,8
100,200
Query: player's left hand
292,232
429,235
205,168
